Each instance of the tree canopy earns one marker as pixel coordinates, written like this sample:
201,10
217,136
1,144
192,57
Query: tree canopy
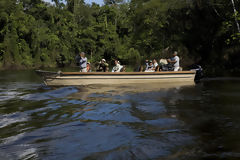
36,34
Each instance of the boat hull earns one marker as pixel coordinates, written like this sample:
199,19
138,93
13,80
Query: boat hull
75,79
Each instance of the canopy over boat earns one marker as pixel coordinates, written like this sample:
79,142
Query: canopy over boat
82,78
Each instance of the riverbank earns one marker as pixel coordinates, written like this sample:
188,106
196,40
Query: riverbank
207,73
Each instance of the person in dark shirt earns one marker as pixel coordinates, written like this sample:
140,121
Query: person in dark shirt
102,66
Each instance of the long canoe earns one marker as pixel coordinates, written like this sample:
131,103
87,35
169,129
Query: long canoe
81,78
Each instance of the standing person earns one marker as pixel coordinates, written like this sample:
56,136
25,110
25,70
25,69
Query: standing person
117,67
175,61
83,62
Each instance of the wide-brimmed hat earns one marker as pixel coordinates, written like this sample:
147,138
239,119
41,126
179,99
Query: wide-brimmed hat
104,60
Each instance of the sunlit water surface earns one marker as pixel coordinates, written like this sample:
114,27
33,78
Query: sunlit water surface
170,121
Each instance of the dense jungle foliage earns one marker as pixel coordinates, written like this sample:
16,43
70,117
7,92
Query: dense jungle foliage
36,34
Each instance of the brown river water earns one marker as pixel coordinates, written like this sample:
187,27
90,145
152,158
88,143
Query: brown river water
128,122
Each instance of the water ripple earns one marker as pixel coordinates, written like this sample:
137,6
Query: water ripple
118,122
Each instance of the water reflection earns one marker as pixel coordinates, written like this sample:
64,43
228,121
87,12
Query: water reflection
170,121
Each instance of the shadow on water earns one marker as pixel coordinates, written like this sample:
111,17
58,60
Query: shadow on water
212,114
151,121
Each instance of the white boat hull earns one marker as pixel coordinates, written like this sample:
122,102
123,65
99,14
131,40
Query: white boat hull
75,79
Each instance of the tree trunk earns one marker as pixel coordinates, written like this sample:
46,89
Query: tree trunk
235,15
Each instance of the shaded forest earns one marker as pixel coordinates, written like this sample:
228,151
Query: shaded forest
36,34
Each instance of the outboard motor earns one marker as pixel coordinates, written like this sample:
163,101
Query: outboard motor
199,72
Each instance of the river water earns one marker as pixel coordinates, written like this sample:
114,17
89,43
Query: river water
170,121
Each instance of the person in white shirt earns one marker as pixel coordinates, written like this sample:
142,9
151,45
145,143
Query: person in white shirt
155,65
175,61
83,62
149,66
117,67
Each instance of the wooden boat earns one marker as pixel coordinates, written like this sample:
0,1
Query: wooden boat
109,78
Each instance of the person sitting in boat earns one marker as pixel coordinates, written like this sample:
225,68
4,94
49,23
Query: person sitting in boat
163,65
83,62
117,67
163,61
89,67
147,64
175,61
155,65
149,67
102,66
